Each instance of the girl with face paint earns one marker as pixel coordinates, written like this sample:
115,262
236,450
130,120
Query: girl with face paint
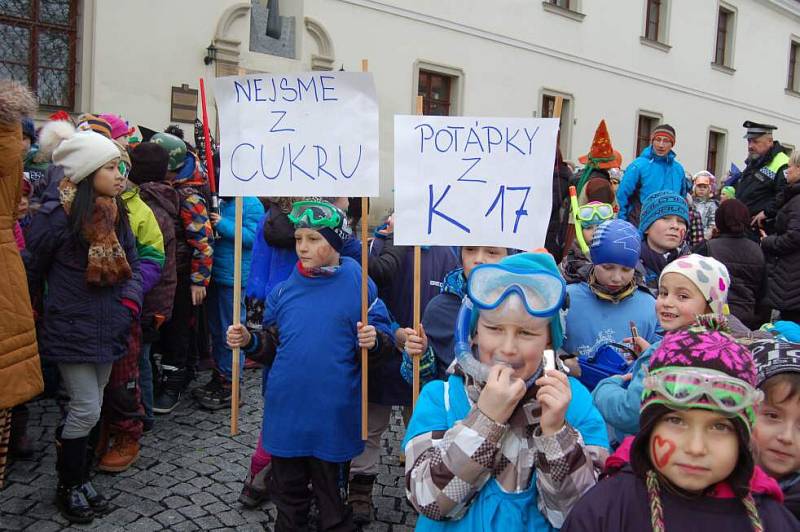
690,466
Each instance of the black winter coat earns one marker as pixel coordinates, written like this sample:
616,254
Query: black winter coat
79,323
783,253
746,265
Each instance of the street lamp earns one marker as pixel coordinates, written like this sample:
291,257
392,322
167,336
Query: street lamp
211,54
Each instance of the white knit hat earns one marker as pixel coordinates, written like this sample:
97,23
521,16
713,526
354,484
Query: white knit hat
83,153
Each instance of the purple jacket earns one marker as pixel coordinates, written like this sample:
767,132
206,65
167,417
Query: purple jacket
620,503
78,323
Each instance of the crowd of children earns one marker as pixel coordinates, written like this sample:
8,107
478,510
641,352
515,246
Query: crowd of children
129,266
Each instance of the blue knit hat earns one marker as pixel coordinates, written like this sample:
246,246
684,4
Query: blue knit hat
535,262
660,204
29,129
616,242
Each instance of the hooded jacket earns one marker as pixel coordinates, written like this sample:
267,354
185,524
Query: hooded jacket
783,253
194,252
650,173
163,201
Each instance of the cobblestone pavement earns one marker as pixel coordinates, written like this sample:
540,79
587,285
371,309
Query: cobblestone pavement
188,476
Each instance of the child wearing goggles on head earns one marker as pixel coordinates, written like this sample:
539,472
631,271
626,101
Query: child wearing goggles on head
776,435
311,337
689,287
602,308
690,466
504,440
575,265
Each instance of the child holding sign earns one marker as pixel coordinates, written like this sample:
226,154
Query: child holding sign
312,329
504,440
689,467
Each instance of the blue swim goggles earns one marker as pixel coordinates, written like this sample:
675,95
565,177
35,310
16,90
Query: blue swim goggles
542,292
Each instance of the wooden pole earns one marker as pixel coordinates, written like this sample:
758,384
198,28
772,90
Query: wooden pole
557,107
364,304
237,318
417,295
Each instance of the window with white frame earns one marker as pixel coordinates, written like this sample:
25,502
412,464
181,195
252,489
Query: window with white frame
440,87
656,18
715,154
793,83
646,122
547,106
726,28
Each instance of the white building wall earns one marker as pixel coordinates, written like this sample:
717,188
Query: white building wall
508,51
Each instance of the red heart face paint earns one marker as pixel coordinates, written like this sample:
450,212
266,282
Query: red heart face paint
662,450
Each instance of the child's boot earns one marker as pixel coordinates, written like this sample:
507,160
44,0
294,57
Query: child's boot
169,394
360,498
255,491
70,461
121,454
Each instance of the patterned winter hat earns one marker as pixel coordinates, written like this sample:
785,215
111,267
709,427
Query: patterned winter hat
616,242
700,348
709,275
773,357
660,204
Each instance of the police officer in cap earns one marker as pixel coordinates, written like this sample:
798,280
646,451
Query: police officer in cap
762,179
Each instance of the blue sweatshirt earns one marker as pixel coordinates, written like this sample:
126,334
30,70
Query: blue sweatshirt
313,403
591,320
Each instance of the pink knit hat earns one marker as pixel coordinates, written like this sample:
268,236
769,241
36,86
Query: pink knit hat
119,127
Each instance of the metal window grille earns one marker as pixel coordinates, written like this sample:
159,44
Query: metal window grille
38,47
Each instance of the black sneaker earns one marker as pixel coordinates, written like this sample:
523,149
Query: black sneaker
219,398
72,504
212,385
166,401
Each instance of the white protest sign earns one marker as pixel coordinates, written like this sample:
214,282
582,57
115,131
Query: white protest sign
307,134
473,181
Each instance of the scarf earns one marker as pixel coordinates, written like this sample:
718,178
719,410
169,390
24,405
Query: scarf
107,263
319,271
655,261
603,294
455,283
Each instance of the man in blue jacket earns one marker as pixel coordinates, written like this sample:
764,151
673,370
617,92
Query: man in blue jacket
655,169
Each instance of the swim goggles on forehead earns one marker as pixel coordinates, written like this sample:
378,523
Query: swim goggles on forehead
542,292
686,385
595,211
315,214
124,168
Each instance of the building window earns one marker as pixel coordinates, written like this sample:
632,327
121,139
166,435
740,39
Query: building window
716,151
436,93
723,53
38,47
653,20
548,105
794,68
647,123
565,4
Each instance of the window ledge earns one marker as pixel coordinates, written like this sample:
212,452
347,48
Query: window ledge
655,44
568,13
722,68
792,92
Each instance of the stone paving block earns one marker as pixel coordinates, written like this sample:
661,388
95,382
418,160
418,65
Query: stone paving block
43,526
231,518
144,524
168,518
14,522
184,489
193,511
203,499
121,516
208,522
15,505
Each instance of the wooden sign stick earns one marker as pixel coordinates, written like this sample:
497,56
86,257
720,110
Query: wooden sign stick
237,318
417,297
364,303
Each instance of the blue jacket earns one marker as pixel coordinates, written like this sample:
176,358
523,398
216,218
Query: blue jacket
619,404
79,323
591,319
252,212
492,508
312,406
650,173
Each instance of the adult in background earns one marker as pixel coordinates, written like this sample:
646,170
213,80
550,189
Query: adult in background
20,370
783,248
763,176
656,168
742,257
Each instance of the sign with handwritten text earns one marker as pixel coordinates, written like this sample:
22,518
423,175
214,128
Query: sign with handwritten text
307,134
473,181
